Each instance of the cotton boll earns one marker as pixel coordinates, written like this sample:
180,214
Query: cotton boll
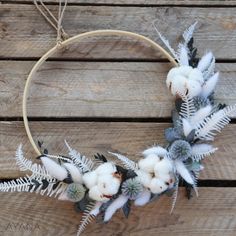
144,177
54,169
194,88
108,185
106,168
178,85
147,164
168,179
159,151
90,179
115,205
164,166
143,198
158,186
196,75
74,172
96,195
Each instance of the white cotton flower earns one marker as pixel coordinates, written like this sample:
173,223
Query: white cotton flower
165,177
90,179
158,186
164,166
54,169
144,177
147,164
96,195
108,184
106,168
185,79
74,172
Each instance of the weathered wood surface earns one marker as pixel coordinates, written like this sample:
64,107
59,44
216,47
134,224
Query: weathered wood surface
142,2
91,137
213,213
24,33
100,89
75,89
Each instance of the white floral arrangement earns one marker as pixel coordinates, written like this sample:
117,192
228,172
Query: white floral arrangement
100,187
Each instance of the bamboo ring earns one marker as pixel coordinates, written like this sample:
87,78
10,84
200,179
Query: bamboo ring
68,42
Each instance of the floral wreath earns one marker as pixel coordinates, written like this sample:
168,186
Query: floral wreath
99,187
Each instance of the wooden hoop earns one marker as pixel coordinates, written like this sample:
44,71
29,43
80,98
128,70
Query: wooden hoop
67,42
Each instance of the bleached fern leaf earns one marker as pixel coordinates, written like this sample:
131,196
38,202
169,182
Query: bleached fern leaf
187,108
200,151
17,185
83,163
207,129
25,164
167,44
129,164
188,33
175,195
86,218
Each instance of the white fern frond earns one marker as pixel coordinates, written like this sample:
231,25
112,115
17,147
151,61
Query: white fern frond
25,165
200,151
129,164
167,44
17,185
86,218
175,195
207,129
188,33
83,163
187,108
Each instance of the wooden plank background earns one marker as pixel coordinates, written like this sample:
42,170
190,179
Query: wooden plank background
109,93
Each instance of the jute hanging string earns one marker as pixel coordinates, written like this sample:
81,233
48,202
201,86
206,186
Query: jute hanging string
62,41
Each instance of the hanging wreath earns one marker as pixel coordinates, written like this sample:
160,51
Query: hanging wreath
99,187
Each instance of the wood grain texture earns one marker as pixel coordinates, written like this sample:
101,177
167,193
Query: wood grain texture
100,89
213,213
24,33
90,138
143,2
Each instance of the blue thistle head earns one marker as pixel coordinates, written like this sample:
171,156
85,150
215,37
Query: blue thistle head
75,192
132,188
180,150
